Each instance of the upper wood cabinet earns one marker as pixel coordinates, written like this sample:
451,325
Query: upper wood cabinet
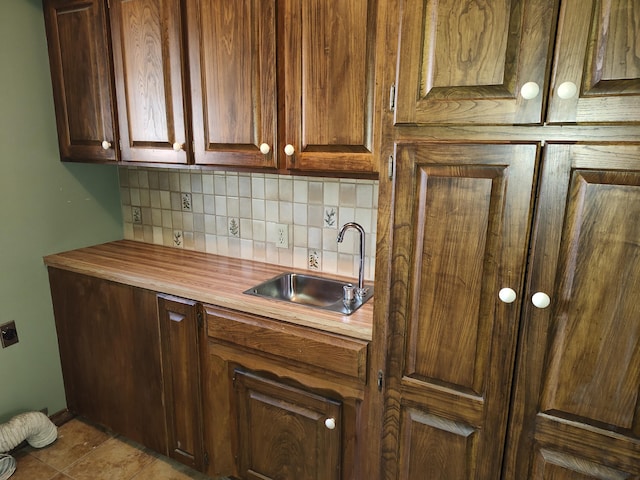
467,62
576,403
294,75
463,62
596,73
147,52
327,77
81,73
460,240
232,61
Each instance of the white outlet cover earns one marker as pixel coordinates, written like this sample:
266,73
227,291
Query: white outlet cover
282,235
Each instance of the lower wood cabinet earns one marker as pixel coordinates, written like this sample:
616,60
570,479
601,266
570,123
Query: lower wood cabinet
224,392
109,344
281,401
130,362
286,432
181,327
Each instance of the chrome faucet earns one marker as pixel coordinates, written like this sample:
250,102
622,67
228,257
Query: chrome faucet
360,291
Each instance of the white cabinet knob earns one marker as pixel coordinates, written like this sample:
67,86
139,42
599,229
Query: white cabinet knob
540,300
177,146
330,423
289,150
567,90
530,90
106,145
265,148
507,295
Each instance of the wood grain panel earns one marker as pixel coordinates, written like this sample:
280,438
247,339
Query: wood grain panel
181,372
465,62
461,223
150,85
282,431
444,341
597,50
109,341
576,390
594,369
432,447
559,466
79,56
321,350
328,71
232,61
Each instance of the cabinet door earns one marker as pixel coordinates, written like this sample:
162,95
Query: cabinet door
80,61
110,353
147,49
596,77
286,433
232,55
328,71
460,237
467,62
576,405
181,372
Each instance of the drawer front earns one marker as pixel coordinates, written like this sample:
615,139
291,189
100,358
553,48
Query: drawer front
338,354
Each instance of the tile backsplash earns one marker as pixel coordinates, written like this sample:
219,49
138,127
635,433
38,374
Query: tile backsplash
291,221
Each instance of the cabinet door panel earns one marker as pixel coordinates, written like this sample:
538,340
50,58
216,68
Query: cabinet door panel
283,433
109,349
80,70
597,51
147,48
578,384
466,62
181,359
232,54
461,216
329,78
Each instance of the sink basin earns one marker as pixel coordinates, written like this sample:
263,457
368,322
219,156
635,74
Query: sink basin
311,291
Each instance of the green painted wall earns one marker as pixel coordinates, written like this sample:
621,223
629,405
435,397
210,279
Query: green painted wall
45,207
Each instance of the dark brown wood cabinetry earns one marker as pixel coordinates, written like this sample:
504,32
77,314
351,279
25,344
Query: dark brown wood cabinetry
181,330
508,339
461,218
150,83
284,74
486,63
575,408
282,401
110,353
225,84
82,77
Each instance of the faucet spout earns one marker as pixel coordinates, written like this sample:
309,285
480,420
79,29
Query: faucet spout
360,291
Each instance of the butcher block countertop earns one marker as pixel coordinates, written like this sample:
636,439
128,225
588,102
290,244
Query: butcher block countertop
213,279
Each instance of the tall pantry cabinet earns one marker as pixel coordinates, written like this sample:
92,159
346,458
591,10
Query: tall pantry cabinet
510,333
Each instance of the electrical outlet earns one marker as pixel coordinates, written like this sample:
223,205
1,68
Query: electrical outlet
282,235
8,334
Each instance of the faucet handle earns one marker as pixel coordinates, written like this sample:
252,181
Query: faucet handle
348,294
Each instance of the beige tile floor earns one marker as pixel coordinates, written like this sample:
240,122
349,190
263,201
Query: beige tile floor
84,452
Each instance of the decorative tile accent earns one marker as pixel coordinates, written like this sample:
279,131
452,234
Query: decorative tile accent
178,239
314,260
136,214
234,227
186,202
330,217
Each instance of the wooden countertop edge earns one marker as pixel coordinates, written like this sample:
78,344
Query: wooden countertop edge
151,273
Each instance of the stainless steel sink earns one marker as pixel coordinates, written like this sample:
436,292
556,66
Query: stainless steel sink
311,291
